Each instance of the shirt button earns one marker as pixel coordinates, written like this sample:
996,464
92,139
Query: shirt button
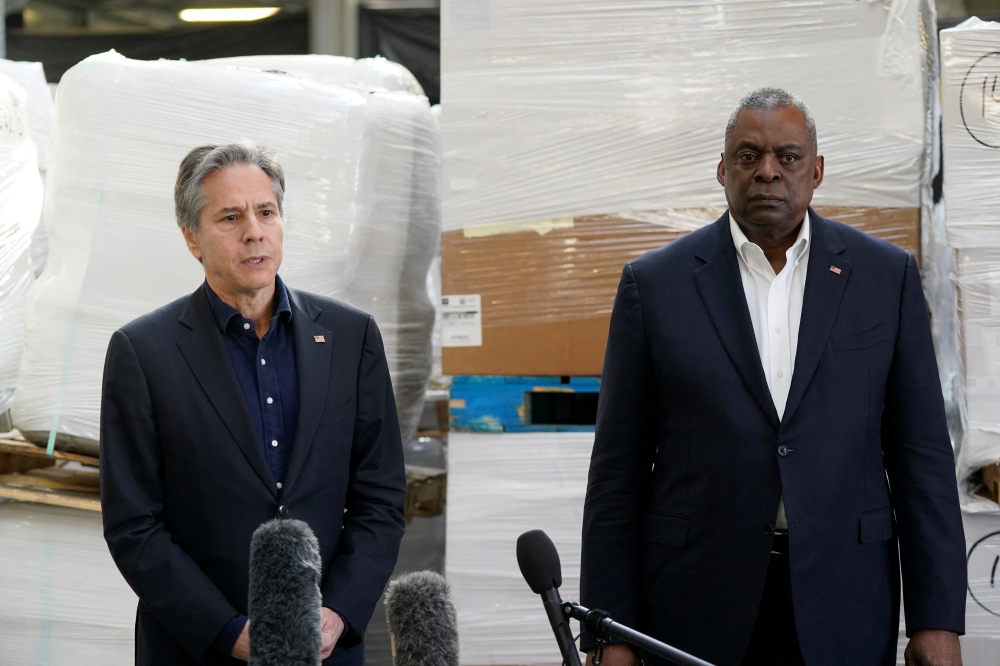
270,400
274,442
279,485
282,510
777,330
768,529
782,450
263,362
781,374
246,327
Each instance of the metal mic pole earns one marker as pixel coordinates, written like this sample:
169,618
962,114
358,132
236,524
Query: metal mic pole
601,625
560,625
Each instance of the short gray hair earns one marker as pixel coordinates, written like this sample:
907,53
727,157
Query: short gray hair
203,161
773,98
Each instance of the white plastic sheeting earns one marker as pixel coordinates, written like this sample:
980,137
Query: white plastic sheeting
64,601
20,206
500,486
366,72
557,108
981,643
971,142
361,215
31,77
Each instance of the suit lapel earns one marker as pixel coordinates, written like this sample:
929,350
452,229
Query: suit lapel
206,355
820,304
313,362
721,289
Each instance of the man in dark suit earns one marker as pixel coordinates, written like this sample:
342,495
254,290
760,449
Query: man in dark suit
243,402
771,447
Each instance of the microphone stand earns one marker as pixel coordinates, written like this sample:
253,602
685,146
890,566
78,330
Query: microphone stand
601,625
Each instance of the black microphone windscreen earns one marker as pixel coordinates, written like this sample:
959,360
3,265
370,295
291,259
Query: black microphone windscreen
422,620
538,560
284,597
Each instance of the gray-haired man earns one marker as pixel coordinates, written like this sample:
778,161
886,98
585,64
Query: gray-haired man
242,402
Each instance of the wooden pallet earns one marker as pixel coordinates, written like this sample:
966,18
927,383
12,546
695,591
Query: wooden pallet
29,474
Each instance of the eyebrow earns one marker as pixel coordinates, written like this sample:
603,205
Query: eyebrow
779,149
239,209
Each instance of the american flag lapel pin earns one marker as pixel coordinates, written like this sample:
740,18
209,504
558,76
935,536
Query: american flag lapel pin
834,269
320,338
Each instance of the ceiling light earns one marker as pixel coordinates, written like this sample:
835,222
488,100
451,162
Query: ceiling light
221,14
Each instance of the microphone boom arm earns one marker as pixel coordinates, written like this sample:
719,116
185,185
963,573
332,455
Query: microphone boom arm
601,625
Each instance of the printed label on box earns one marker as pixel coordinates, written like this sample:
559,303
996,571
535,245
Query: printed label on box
461,321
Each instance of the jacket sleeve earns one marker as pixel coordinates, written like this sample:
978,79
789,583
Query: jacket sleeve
164,577
620,466
921,471
373,524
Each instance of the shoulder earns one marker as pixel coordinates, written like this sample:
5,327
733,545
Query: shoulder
159,323
863,245
680,256
330,312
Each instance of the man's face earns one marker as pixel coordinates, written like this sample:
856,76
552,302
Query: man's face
240,237
770,168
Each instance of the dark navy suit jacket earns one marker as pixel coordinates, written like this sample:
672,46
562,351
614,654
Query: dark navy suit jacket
686,472
184,482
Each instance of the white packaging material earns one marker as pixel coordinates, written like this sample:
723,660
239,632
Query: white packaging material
31,77
361,215
970,61
20,207
981,643
64,601
365,72
556,108
500,486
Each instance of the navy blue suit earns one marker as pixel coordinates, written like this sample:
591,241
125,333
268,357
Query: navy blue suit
690,459
185,481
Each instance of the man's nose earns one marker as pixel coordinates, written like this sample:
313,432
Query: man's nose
767,169
253,230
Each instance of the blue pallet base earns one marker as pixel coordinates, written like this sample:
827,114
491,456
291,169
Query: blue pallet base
499,404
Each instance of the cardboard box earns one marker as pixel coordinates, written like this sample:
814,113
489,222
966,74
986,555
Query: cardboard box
546,289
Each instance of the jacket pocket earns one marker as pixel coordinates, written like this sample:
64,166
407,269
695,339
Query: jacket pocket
667,529
876,526
862,339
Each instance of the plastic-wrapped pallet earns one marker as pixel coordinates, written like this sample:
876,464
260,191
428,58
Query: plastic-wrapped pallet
971,141
20,206
500,486
577,134
364,72
360,215
64,601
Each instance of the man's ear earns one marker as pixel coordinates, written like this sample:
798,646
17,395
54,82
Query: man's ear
818,172
720,171
193,242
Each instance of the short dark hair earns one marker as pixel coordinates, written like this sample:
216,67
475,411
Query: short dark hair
198,164
773,98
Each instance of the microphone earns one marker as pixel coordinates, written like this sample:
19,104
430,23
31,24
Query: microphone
284,597
423,627
538,560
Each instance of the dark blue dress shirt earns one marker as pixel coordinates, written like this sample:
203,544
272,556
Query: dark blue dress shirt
267,375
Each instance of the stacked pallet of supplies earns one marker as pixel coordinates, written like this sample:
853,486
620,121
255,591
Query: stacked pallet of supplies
970,58
360,222
20,207
577,135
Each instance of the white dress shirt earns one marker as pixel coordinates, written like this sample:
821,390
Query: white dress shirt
775,303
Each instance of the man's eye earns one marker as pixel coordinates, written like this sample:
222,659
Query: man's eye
747,157
790,158
230,218
265,213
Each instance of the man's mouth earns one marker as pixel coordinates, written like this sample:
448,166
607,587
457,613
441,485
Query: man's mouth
254,261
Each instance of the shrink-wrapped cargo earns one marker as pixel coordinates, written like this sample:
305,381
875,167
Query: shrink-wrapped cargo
578,134
970,59
20,206
360,215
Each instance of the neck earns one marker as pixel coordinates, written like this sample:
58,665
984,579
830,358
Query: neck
258,305
774,240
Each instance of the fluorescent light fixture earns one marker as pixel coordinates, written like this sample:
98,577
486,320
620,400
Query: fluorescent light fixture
223,14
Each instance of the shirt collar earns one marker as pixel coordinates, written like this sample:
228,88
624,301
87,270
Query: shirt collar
224,312
798,248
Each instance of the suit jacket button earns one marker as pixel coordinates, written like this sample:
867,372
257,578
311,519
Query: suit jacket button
782,450
768,529
282,510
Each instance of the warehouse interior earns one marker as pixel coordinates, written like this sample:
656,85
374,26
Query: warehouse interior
474,174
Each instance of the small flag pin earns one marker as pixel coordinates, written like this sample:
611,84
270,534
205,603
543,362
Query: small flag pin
834,269
320,338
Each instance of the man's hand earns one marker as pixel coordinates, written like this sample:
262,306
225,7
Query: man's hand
618,654
241,649
332,628
933,647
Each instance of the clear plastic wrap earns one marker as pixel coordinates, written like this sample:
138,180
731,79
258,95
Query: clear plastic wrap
361,215
31,77
500,486
64,601
971,144
20,206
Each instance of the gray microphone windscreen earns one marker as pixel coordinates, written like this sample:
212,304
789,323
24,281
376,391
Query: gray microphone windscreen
422,620
284,597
